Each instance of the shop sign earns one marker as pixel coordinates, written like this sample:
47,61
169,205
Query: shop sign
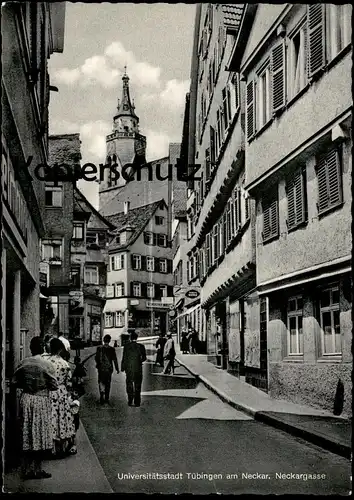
192,294
155,303
76,299
167,300
134,302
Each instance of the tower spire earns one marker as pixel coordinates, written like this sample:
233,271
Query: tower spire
125,106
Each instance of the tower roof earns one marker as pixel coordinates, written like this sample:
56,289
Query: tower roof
125,106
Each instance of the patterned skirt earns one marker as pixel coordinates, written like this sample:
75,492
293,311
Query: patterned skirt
63,426
36,419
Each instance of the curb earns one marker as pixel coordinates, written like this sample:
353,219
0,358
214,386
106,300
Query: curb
321,441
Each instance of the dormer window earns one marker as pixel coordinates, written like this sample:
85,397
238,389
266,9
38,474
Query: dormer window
118,239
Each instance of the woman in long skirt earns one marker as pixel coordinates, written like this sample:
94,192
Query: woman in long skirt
63,426
36,378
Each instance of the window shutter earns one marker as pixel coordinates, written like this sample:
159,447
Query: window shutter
316,42
250,111
278,76
334,178
169,291
207,242
132,261
132,289
143,288
123,289
322,185
154,238
291,205
266,222
146,239
299,198
157,264
169,265
212,146
157,292
143,262
274,218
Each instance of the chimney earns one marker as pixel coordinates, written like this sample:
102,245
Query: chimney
126,207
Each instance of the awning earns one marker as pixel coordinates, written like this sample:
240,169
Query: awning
41,296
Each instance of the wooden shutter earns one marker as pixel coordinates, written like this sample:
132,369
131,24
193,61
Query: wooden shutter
154,238
143,289
143,262
291,205
266,222
207,244
250,109
278,76
169,265
157,292
274,218
146,239
132,261
316,40
212,145
157,264
132,289
334,178
322,184
299,197
169,291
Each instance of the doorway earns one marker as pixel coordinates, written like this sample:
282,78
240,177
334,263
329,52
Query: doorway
222,341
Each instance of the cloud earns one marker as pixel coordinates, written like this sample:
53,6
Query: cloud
157,144
96,70
174,93
92,136
67,76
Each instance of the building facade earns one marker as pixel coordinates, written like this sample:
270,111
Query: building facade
297,71
139,284
31,32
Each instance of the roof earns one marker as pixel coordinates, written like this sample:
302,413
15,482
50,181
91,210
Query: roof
81,204
136,218
232,14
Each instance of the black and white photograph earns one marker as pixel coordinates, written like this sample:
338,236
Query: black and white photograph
176,248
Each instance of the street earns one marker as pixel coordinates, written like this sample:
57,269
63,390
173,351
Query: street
184,430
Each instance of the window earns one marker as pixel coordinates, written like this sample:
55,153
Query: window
108,320
118,262
339,28
225,106
295,334
237,209
230,220
234,94
119,319
221,236
118,239
162,240
119,289
163,290
75,276
150,290
296,199
330,321
250,110
136,261
91,275
53,194
215,242
150,264
137,289
297,77
208,251
149,238
52,251
263,96
270,217
163,265
159,220
329,179
78,231
91,238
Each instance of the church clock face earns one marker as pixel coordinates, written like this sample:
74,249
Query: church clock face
125,107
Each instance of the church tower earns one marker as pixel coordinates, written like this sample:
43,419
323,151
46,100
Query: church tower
124,145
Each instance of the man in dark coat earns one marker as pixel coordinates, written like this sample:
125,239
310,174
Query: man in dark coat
105,358
134,355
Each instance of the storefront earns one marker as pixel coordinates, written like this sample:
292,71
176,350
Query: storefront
93,324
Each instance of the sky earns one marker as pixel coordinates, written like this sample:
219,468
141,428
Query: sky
154,41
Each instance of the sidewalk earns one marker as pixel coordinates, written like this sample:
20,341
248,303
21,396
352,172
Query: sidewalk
80,473
316,426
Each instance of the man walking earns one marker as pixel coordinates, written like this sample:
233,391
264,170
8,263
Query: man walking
134,355
105,358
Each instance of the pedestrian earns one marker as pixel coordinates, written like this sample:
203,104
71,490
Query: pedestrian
134,355
62,417
47,339
36,377
65,353
193,340
105,358
169,355
160,344
184,342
